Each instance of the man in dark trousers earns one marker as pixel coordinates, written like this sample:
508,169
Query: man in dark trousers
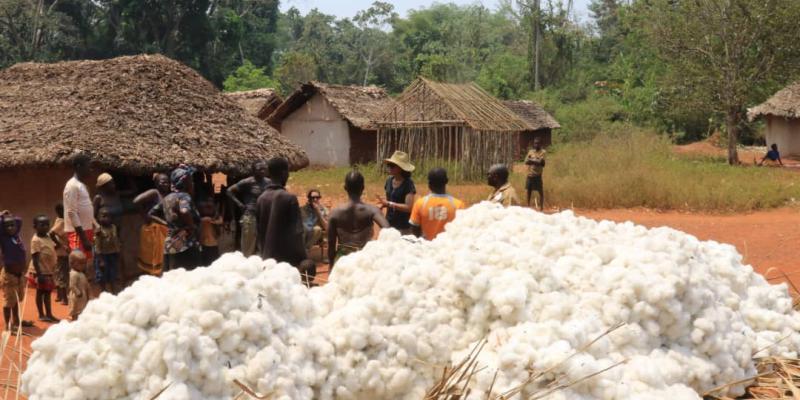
244,195
280,225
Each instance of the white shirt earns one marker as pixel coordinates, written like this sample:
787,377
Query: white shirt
78,209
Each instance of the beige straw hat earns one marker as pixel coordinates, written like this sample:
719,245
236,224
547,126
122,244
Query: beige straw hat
104,178
400,158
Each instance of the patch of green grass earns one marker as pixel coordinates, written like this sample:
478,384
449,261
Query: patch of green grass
639,169
631,168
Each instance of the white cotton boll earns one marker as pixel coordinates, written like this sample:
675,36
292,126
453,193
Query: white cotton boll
537,287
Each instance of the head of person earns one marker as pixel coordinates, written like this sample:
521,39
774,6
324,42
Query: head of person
437,180
537,144
60,210
10,227
162,183
774,146
77,261
399,165
105,183
278,168
41,224
314,196
104,217
181,179
497,176
81,166
259,169
206,208
354,184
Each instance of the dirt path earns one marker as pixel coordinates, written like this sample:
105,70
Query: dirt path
767,239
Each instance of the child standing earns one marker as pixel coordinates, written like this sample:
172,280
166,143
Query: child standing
78,284
42,268
59,235
210,224
106,249
13,267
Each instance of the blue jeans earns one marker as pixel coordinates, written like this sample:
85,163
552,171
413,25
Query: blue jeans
106,267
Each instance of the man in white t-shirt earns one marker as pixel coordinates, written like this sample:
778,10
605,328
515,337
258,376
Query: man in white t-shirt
78,209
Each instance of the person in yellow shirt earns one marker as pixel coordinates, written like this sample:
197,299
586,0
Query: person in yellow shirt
535,162
431,213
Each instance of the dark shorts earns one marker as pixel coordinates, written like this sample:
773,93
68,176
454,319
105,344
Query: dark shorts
534,183
210,254
188,259
106,267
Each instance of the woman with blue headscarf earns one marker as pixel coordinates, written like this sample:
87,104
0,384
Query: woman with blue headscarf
182,246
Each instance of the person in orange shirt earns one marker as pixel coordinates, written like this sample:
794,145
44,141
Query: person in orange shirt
431,213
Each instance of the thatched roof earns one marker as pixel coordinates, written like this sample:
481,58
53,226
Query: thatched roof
533,114
361,106
785,103
426,101
259,103
134,114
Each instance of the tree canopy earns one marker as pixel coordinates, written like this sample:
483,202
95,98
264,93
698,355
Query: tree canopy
682,67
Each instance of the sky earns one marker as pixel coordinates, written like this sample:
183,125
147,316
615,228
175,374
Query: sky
349,8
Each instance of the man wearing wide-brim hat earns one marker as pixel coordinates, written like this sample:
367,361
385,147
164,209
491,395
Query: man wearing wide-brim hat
400,191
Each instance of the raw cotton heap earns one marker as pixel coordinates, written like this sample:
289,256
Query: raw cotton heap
188,332
539,288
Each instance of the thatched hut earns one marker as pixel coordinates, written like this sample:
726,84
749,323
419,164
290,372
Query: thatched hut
259,103
540,123
133,115
334,124
458,125
782,113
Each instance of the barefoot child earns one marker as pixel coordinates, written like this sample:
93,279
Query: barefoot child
210,225
106,249
59,236
13,267
78,284
42,267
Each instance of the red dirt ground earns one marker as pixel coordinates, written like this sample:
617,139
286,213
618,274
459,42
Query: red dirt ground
767,239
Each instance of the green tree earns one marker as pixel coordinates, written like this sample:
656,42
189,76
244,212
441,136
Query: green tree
293,68
34,30
724,52
372,42
248,77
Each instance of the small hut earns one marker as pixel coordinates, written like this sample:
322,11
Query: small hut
540,123
334,124
782,114
458,125
134,116
259,103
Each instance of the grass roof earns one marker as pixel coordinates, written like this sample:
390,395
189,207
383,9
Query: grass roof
427,101
136,114
361,106
785,103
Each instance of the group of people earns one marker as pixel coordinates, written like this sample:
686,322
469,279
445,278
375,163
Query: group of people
79,255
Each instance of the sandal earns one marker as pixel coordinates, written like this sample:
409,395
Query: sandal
27,324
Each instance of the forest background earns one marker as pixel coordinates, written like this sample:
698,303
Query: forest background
683,68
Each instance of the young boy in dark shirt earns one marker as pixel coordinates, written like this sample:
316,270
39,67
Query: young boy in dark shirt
11,279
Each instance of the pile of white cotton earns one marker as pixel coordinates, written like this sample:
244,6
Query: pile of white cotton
189,332
537,287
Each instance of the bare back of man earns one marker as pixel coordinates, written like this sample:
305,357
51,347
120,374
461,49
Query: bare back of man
351,226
